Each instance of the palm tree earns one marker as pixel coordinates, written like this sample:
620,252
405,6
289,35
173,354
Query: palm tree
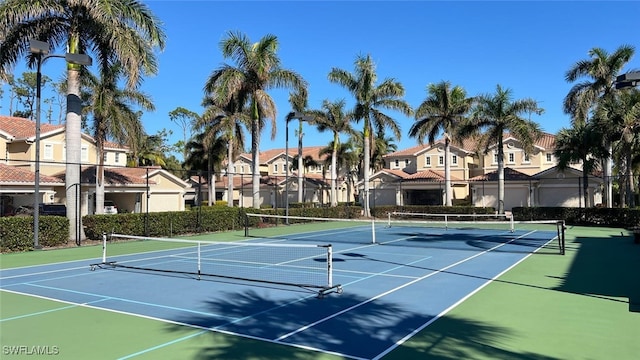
371,99
443,111
346,161
381,147
620,115
227,121
257,70
148,150
298,101
333,118
601,71
206,152
496,114
581,143
118,31
113,117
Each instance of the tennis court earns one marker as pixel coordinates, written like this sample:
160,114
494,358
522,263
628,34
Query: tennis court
373,289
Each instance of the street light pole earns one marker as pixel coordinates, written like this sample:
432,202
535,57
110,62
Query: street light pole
41,50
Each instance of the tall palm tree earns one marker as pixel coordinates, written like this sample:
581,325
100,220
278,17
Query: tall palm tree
123,31
600,71
257,70
148,150
581,143
227,121
298,101
333,118
443,111
113,117
371,99
493,116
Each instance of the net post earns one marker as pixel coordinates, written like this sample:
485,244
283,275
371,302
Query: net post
373,230
329,266
246,225
512,225
199,261
446,222
389,219
104,247
561,229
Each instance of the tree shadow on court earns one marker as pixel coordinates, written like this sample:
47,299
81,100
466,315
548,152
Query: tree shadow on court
605,267
355,332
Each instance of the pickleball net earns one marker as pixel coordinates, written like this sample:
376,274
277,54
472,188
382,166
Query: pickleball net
300,265
453,231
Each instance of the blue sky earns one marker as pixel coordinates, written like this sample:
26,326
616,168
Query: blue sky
524,46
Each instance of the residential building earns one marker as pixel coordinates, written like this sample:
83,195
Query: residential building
132,189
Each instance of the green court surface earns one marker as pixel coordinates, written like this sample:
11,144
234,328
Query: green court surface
584,305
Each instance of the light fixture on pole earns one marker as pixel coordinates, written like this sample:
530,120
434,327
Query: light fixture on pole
292,116
41,50
628,80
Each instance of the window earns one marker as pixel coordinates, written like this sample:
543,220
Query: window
427,161
397,163
454,159
512,158
525,158
48,151
440,160
235,171
104,156
549,157
495,158
275,168
406,162
84,153
117,158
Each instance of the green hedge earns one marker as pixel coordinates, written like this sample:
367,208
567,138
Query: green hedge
382,211
16,232
169,223
613,217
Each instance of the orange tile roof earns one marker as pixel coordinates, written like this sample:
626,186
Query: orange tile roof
22,128
12,174
265,156
509,175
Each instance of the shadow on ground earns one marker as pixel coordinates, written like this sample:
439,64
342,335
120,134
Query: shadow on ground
365,332
606,267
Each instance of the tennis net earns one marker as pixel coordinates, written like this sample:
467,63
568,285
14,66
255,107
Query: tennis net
496,232
301,265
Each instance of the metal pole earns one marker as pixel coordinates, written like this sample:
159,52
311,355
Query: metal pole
36,198
286,181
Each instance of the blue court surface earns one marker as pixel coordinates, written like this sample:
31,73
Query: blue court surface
389,290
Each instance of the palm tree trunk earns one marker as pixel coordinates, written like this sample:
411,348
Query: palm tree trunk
73,143
300,165
367,161
447,172
99,200
585,188
629,176
212,181
334,170
255,157
230,173
500,178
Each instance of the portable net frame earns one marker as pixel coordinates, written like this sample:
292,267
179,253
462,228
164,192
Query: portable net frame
300,265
